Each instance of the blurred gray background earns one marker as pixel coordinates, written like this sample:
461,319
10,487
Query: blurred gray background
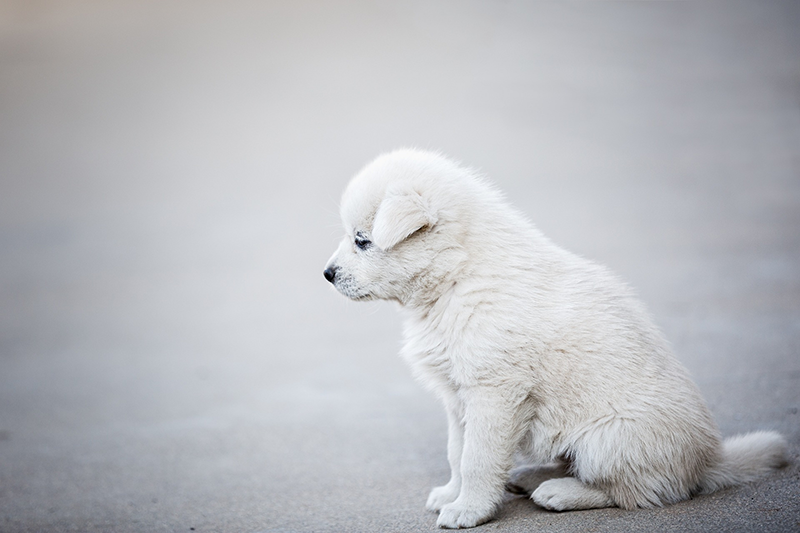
171,358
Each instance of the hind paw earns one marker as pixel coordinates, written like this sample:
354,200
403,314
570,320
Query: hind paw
569,494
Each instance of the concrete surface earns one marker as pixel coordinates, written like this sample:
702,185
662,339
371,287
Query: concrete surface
171,358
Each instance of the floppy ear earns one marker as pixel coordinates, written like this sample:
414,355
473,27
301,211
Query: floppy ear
400,214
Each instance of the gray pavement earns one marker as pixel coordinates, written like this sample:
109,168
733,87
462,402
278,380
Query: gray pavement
171,358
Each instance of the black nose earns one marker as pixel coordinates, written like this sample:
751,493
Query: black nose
330,273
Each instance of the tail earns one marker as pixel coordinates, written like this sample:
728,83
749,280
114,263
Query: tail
746,458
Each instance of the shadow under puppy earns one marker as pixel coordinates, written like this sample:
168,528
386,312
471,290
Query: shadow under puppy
532,349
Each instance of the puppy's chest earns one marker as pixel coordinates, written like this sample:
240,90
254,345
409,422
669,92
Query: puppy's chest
428,355
435,353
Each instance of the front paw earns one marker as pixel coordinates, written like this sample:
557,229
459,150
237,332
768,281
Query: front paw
455,515
441,496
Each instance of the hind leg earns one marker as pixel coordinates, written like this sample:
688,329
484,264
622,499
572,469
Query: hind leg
570,494
525,479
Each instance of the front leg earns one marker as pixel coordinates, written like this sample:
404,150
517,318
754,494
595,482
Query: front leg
445,494
492,430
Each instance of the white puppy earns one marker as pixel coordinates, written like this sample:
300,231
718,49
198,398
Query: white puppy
532,349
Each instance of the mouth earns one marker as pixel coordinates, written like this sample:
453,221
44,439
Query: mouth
361,297
346,290
355,296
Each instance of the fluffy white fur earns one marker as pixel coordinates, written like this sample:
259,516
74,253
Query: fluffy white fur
532,349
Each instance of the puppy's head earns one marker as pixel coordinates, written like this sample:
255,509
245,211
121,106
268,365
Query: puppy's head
395,231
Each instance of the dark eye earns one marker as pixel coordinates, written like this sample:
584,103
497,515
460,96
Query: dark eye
362,242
